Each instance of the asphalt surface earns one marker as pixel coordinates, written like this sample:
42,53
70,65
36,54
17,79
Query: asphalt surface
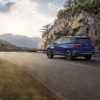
72,80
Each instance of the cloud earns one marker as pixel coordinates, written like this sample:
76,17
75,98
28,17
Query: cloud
44,2
31,14
6,5
49,8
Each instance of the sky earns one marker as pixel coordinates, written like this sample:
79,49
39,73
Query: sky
27,17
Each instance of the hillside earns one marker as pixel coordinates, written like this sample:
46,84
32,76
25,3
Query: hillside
6,45
21,41
77,18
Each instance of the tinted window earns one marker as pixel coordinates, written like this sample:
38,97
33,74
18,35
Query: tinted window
83,40
67,40
64,40
58,41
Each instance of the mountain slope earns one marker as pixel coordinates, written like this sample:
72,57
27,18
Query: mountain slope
21,41
6,45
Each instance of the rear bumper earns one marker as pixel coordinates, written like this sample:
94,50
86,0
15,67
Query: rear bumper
74,53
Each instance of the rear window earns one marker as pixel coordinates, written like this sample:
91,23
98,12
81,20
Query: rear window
83,40
68,40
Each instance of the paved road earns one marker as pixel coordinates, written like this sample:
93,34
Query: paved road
73,80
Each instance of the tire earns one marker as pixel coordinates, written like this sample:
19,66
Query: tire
50,54
68,55
88,57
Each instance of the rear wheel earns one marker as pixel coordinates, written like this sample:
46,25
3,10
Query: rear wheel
68,55
50,54
88,57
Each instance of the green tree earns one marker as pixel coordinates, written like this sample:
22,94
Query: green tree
46,30
61,14
92,6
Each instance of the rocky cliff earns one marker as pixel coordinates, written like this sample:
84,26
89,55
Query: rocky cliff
81,23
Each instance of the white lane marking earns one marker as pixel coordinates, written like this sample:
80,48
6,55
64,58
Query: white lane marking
86,66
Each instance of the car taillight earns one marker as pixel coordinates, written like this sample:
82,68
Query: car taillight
77,45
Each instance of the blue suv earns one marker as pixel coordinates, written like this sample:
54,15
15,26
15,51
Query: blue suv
70,47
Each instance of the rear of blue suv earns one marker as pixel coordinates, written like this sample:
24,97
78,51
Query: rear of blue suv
71,46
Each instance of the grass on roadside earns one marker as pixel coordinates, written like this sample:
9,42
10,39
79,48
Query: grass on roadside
15,84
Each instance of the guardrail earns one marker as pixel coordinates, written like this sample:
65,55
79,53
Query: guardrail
97,51
41,49
17,50
21,50
31,50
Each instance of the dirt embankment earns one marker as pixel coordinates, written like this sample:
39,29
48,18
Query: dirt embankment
15,84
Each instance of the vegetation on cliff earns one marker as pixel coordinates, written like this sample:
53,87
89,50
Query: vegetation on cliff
72,7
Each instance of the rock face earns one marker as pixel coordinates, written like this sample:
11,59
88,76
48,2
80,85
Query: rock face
81,24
